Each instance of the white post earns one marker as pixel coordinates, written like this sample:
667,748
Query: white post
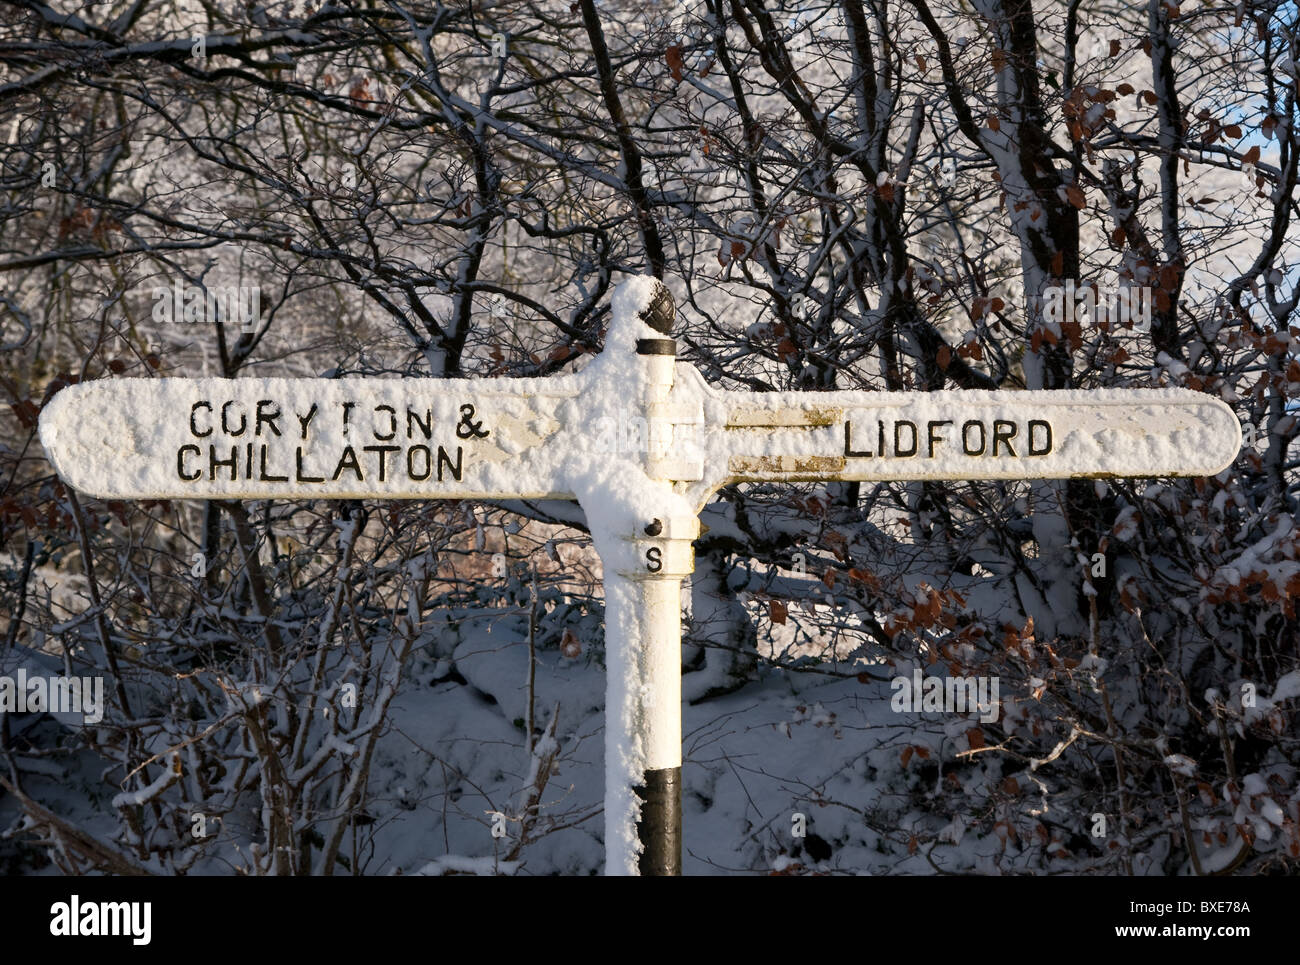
652,589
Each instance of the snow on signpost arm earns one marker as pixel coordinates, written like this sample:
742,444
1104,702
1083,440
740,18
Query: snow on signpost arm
967,435
308,438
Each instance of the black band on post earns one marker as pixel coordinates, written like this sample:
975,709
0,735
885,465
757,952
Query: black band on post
660,827
656,346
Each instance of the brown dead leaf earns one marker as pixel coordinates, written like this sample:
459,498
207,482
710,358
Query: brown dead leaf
674,57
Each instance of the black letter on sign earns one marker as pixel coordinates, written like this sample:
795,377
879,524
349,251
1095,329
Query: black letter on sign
195,429
425,424
243,420
383,456
468,428
180,462
653,558
410,462
265,477
214,462
297,455
453,467
348,461
966,447
1004,430
930,427
848,448
304,420
267,417
1047,426
392,419
898,436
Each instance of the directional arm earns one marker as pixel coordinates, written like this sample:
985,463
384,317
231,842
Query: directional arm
751,437
310,438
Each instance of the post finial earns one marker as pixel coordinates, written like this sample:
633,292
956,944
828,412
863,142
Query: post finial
661,311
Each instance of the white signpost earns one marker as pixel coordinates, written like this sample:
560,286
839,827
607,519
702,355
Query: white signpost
641,442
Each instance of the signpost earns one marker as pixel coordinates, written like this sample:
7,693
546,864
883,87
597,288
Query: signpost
641,442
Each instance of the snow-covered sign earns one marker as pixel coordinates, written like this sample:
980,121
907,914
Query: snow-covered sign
303,438
972,435
640,441
426,439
